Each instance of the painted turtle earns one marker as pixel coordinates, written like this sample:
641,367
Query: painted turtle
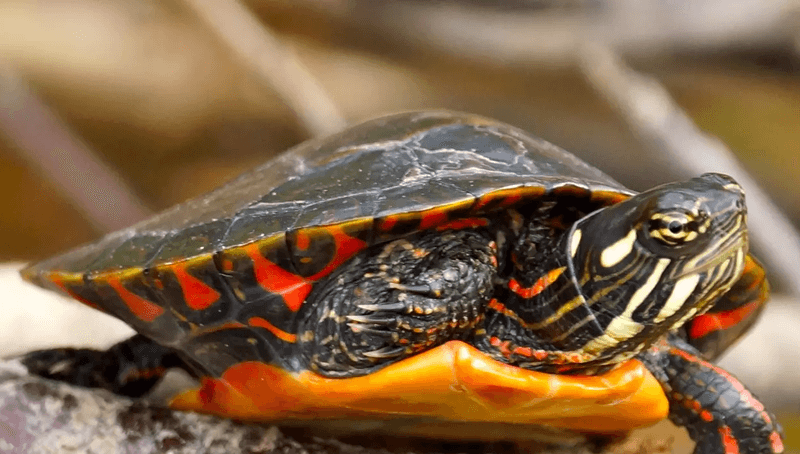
436,269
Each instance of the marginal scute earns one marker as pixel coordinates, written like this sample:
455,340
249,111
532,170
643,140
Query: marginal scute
197,294
275,279
317,251
507,198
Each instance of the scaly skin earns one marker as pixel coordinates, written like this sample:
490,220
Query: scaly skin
721,415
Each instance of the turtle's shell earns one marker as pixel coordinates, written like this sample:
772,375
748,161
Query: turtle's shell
315,206
243,258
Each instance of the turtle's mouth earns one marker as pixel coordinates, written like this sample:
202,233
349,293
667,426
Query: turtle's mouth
736,252
732,246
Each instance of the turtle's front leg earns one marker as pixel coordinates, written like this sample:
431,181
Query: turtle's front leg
721,415
130,368
396,300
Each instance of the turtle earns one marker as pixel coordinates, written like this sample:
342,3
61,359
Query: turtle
438,274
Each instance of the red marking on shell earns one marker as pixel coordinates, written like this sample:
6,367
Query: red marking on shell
196,293
346,247
388,223
275,279
279,333
508,197
705,324
706,415
58,281
143,309
538,286
227,264
728,440
433,218
776,442
302,241
466,223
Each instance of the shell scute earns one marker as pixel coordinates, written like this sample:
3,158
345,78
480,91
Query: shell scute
194,290
128,252
317,251
194,241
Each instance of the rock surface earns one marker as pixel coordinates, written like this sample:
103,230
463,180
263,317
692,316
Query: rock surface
42,416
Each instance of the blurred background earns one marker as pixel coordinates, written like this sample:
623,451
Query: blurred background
112,110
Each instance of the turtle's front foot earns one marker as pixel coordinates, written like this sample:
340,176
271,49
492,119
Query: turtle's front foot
130,368
721,415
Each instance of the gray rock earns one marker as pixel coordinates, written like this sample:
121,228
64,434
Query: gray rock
43,416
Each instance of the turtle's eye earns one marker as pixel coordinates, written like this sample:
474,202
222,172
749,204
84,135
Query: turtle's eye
673,228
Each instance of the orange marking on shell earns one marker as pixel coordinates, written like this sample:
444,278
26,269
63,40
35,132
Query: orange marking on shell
728,440
222,327
537,288
143,309
196,293
466,223
608,197
707,323
279,333
275,279
451,382
346,247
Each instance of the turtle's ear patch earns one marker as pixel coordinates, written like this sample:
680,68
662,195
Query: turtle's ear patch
617,251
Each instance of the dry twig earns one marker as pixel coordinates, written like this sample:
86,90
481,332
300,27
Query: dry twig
652,114
49,146
275,64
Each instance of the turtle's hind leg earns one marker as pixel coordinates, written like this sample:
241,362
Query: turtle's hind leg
130,368
721,415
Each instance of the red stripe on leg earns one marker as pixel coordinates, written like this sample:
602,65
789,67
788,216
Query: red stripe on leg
728,440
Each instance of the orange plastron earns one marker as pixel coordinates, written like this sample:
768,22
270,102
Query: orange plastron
452,383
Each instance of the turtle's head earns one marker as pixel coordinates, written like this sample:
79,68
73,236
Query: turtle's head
650,263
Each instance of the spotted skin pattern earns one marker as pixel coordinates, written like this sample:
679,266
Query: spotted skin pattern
454,216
